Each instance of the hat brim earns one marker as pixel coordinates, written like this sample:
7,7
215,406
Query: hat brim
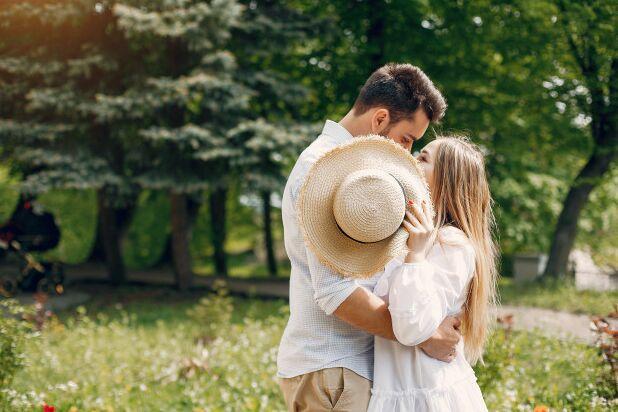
315,204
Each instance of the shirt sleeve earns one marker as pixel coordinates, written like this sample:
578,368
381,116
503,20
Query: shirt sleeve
329,287
420,294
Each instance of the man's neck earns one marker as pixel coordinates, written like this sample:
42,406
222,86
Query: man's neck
352,124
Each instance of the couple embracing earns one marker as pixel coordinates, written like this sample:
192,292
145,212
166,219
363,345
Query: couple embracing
393,262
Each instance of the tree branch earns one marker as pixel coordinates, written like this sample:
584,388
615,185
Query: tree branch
579,56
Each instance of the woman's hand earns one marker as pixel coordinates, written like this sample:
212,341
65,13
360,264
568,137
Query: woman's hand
419,225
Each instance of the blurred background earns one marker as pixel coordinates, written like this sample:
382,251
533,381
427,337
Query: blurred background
145,146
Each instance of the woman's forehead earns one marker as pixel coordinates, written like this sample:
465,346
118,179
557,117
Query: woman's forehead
431,146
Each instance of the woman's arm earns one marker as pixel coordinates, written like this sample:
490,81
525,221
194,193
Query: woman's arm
422,291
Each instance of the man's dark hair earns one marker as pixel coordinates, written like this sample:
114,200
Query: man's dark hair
402,89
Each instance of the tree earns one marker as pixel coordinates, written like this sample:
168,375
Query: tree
180,107
267,46
54,59
588,29
266,150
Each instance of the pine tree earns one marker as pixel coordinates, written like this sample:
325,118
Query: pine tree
54,59
181,106
268,47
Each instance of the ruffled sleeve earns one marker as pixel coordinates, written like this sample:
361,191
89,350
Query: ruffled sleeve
421,294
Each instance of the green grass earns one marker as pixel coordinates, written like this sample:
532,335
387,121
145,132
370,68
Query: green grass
557,295
243,265
137,349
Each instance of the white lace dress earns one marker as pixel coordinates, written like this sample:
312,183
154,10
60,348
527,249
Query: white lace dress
420,296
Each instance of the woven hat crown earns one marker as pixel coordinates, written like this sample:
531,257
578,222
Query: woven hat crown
353,201
369,205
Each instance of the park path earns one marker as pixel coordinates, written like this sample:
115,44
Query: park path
563,325
559,324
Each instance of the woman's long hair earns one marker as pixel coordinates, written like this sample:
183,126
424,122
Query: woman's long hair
462,199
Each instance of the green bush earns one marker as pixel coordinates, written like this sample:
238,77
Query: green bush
75,212
213,312
9,193
14,335
149,229
523,370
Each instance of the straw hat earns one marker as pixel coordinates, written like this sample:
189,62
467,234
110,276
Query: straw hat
353,201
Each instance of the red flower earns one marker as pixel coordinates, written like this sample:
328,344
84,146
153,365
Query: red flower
48,408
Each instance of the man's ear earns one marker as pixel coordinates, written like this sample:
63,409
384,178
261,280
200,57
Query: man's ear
380,120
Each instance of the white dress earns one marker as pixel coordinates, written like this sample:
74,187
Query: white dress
420,296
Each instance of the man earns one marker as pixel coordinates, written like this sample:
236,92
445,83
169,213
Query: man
325,359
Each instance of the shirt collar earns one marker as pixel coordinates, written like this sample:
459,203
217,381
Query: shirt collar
336,132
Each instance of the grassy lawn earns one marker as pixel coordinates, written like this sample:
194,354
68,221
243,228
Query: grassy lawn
558,296
138,349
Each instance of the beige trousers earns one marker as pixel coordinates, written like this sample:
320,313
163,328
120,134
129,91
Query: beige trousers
332,389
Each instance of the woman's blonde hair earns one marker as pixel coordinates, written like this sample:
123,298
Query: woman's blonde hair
461,196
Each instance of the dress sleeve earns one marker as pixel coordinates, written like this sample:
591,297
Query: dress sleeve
420,294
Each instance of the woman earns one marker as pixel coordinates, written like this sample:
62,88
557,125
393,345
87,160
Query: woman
449,268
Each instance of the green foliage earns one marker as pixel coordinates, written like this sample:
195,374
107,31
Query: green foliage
149,230
55,60
178,108
509,78
268,47
14,335
599,223
213,312
9,193
75,214
524,370
522,203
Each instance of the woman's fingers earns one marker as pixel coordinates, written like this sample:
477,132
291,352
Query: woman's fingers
412,219
428,217
410,228
420,215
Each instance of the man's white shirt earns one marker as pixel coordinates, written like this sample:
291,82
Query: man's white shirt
314,338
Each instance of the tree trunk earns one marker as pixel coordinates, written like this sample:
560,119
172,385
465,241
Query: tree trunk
167,257
181,234
566,228
268,233
217,223
97,253
110,239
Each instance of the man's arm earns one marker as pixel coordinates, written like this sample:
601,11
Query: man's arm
364,310
352,303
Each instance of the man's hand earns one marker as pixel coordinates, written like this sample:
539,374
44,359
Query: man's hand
442,344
